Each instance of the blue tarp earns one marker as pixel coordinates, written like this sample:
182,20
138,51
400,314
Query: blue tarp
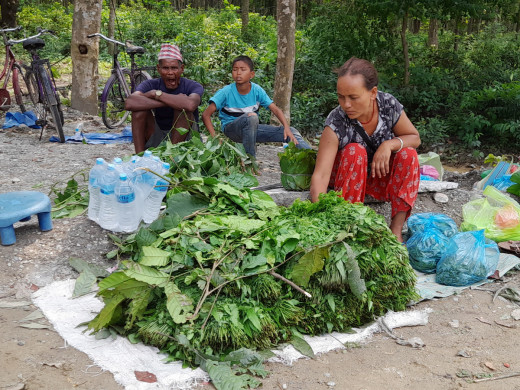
13,119
123,137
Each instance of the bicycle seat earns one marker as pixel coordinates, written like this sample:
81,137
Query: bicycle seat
135,50
34,44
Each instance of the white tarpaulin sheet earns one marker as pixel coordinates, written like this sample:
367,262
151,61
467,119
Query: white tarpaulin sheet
123,358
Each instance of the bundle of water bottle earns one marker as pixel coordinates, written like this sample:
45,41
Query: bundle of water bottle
121,194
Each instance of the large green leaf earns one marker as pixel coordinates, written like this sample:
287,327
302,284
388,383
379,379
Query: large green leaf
112,281
105,315
302,346
81,265
309,264
514,189
184,204
251,261
146,274
145,237
179,305
515,177
355,282
224,378
84,283
154,257
241,180
242,224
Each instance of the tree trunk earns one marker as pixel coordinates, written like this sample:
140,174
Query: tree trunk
286,20
433,37
9,10
416,26
244,9
84,53
112,26
405,50
456,32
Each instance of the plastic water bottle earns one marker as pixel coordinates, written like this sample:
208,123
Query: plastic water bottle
79,129
128,218
129,168
118,164
145,180
78,133
94,197
152,204
108,204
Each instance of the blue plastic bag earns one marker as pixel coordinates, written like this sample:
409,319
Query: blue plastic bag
418,223
425,250
429,234
469,258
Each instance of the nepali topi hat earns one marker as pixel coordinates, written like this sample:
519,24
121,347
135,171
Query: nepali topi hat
169,51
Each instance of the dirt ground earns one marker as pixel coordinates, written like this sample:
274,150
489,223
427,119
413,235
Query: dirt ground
468,335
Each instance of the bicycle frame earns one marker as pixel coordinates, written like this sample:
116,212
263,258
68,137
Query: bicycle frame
121,83
8,66
118,70
9,70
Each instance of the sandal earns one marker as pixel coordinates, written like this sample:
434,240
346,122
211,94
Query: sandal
510,246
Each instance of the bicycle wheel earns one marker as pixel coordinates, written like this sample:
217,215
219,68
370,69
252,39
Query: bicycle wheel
47,102
113,101
23,90
141,76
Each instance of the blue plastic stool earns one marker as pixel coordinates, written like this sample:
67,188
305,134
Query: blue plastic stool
19,206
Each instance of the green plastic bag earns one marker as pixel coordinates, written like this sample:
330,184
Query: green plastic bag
433,159
297,166
497,213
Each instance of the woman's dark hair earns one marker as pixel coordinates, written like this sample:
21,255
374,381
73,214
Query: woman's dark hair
365,68
245,59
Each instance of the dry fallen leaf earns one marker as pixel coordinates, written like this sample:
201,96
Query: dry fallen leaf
145,376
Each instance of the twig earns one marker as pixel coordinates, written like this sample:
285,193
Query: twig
497,377
499,291
210,310
484,321
510,326
290,283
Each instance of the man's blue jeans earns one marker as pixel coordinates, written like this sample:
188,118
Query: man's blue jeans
247,130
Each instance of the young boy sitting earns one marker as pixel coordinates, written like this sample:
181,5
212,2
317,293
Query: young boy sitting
238,105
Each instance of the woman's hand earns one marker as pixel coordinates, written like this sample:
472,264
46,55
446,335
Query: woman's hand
381,162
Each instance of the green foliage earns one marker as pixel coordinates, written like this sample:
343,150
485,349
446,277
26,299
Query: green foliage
51,16
297,167
212,284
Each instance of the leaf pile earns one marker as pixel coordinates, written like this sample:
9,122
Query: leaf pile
224,271
219,157
297,166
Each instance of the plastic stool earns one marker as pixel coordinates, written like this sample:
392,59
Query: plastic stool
19,206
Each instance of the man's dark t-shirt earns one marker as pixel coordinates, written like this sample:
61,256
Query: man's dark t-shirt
164,115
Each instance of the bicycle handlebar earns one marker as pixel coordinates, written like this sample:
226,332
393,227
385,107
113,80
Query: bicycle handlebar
41,31
12,29
106,39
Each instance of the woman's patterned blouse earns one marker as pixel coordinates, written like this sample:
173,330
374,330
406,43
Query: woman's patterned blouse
389,113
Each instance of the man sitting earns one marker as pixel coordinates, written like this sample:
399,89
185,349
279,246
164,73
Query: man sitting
161,105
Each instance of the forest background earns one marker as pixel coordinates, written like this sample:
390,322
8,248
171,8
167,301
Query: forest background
453,65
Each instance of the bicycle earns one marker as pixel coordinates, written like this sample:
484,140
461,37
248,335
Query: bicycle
38,79
120,84
12,71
